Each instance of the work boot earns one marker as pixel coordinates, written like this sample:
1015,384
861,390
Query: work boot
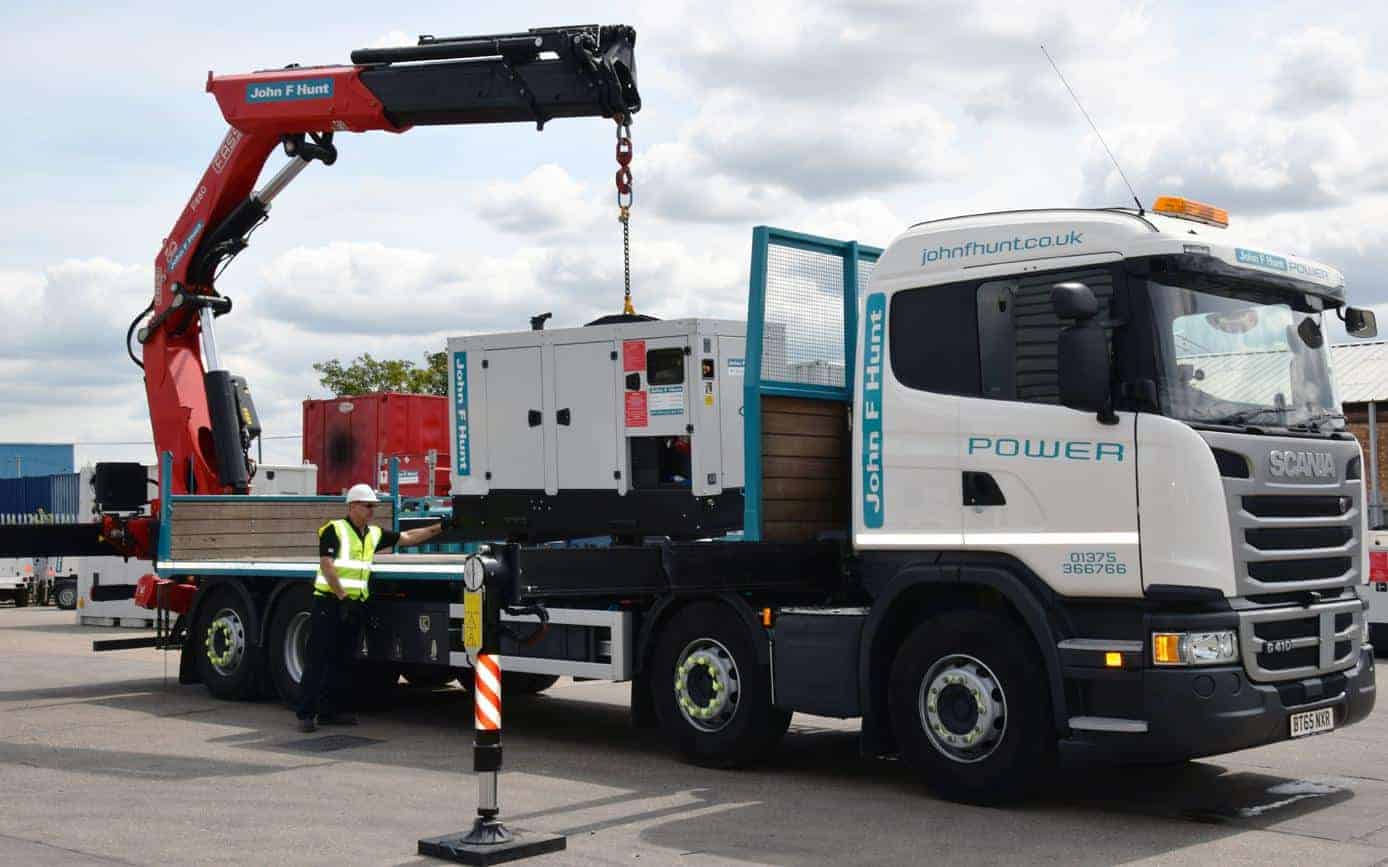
338,719
308,724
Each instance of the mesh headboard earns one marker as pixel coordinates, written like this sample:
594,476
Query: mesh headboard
801,344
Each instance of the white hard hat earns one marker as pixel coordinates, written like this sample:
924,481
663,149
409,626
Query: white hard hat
361,494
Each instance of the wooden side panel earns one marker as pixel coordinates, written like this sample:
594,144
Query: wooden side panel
245,529
805,481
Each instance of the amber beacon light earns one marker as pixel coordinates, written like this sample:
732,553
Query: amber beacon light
1186,209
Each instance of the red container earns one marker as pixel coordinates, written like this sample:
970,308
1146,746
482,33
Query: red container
352,439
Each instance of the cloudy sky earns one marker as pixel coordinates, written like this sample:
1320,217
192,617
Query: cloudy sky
850,119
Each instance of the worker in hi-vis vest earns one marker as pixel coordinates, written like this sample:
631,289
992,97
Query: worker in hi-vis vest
346,548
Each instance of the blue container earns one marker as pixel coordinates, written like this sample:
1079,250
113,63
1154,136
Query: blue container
36,499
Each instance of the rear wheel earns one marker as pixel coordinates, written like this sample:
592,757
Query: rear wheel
971,709
712,697
223,646
21,597
288,645
67,597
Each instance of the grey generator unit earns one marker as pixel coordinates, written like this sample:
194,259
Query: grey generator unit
626,429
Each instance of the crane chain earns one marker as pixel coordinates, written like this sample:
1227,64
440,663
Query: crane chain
624,201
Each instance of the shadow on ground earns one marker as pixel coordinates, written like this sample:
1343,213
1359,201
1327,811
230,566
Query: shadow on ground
817,783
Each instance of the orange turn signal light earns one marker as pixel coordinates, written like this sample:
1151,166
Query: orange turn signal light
766,617
1113,659
1188,209
1166,648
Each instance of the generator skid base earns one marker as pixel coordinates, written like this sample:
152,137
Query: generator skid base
522,844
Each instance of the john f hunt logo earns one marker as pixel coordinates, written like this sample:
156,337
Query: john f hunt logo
1301,465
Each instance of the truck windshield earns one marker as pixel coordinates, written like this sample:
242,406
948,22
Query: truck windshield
1248,358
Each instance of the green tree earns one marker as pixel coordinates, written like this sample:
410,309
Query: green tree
366,374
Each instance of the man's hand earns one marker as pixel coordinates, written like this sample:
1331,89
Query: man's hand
340,593
420,535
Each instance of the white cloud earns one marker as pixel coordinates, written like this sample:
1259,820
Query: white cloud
1318,69
548,200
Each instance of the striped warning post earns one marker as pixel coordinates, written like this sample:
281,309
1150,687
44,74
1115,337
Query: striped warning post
487,693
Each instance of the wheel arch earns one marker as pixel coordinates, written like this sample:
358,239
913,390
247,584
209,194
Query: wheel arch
665,610
920,590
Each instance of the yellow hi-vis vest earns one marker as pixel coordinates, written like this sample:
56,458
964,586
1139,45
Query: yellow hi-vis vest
354,555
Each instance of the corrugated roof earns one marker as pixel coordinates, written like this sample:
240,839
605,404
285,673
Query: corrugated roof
1361,370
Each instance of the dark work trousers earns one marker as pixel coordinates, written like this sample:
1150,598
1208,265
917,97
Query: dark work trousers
332,630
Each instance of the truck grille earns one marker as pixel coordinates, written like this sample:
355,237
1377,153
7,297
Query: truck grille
1291,534
1298,642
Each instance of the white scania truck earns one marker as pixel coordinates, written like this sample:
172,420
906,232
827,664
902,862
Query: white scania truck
1021,484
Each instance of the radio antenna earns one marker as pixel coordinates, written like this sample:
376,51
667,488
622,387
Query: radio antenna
1095,127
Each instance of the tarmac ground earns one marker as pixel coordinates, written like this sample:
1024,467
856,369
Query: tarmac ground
105,759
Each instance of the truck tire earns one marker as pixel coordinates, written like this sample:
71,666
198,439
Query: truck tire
712,696
67,597
21,598
525,683
970,708
222,644
287,647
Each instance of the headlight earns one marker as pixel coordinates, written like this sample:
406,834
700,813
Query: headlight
1194,648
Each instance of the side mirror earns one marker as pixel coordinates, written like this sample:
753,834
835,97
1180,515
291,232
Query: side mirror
1085,371
1360,322
1074,301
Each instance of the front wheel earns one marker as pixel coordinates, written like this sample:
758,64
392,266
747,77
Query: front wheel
67,597
971,709
712,696
223,646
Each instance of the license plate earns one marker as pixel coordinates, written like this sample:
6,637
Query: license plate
472,622
1313,721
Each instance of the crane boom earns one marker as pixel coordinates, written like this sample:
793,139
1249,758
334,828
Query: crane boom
200,412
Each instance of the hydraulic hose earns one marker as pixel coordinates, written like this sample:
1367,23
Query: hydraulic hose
131,330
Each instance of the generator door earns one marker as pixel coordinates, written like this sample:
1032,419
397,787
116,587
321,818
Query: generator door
515,421
585,418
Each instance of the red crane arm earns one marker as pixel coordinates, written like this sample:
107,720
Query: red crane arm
199,412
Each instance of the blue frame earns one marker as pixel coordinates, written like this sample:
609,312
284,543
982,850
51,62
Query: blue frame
852,253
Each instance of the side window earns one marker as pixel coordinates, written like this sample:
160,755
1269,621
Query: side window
1018,331
933,336
665,367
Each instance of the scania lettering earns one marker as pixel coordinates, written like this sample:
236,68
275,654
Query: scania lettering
1294,464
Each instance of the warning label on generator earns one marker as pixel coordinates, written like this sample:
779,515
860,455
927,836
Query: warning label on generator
636,409
633,355
667,400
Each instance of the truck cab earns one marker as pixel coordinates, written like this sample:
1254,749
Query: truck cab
1124,425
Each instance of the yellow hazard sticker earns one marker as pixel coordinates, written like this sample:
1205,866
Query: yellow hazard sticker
472,621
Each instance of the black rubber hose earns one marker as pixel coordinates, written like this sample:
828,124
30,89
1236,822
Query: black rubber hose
131,330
